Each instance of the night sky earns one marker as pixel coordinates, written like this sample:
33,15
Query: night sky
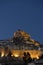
21,14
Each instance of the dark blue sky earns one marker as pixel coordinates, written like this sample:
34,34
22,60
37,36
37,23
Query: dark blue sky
21,14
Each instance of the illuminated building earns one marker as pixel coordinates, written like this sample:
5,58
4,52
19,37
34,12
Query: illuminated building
20,43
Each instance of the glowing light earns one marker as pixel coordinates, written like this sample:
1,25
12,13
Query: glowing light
37,57
16,55
2,54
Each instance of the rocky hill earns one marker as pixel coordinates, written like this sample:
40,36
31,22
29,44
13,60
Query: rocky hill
23,37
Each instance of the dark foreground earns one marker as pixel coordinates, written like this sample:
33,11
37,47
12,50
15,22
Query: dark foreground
19,61
22,64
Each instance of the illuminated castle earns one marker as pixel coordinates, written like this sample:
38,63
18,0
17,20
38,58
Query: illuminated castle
26,37
20,43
